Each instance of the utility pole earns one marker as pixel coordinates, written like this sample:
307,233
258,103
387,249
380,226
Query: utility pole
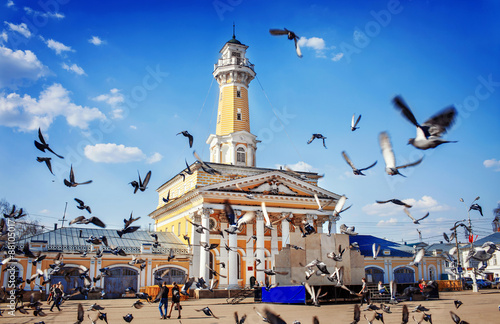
64,215
459,265
474,282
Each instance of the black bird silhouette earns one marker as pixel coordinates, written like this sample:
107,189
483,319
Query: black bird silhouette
128,318
141,185
43,145
129,229
357,314
476,207
239,320
354,169
14,214
188,169
82,206
405,315
186,134
166,200
291,35
205,167
318,136
429,133
457,303
82,220
47,162
129,221
207,311
72,182
355,123
81,313
457,319
394,201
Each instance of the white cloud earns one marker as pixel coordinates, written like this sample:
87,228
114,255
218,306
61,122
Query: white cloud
58,47
3,37
156,157
316,43
337,57
22,29
44,211
493,163
96,41
46,14
27,113
133,127
113,153
299,166
10,3
424,204
391,221
114,98
73,68
357,35
19,65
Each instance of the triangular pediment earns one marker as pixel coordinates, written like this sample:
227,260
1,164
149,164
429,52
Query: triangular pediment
271,183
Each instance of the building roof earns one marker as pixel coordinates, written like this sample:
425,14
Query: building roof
69,239
365,243
234,41
494,237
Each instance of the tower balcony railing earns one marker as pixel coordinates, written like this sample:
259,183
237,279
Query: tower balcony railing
234,61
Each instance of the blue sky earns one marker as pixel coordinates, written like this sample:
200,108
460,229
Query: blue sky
111,83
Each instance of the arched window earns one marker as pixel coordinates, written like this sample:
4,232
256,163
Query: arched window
375,274
431,274
404,275
240,155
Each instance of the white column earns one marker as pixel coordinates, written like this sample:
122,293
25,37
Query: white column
250,258
223,257
195,246
205,237
319,226
334,219
386,270
233,262
149,269
420,275
274,250
27,274
425,272
285,232
391,275
260,245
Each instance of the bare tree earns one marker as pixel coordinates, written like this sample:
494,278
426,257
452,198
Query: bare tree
496,221
25,226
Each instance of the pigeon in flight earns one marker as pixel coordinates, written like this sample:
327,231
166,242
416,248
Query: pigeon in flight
336,257
457,303
82,220
47,162
205,167
418,257
82,206
347,230
375,250
416,221
355,123
141,185
291,35
129,221
389,158
207,311
186,134
476,207
354,169
43,145
14,214
72,182
207,246
357,314
457,319
199,228
166,200
394,201
318,136
405,315
429,133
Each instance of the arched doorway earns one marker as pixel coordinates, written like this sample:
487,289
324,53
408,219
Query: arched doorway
120,279
173,274
69,277
404,275
374,274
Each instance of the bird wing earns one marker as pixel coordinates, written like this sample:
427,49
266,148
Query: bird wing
419,256
96,221
146,181
40,137
382,201
446,238
375,250
357,313
297,47
317,202
246,218
71,175
405,110
278,32
340,204
79,201
80,313
455,317
409,215
77,220
387,152
426,215
357,121
440,122
348,160
368,167
410,164
264,212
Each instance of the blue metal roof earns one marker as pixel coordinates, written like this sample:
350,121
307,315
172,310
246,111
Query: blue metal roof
495,238
365,243
69,239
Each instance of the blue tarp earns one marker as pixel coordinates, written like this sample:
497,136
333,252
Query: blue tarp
285,295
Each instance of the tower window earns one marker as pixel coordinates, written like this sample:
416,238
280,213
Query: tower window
218,119
240,155
238,94
238,114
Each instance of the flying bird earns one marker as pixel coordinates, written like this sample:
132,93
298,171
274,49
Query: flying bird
318,136
389,158
418,257
205,167
415,221
47,162
394,201
457,303
355,123
429,133
72,182
166,200
82,206
291,35
375,250
336,257
129,221
44,146
80,315
199,228
357,314
128,318
127,230
347,230
208,247
239,320
476,207
207,311
189,136
405,315
457,319
354,169
141,185
92,220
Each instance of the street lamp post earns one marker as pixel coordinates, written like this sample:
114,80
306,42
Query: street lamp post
474,282
459,265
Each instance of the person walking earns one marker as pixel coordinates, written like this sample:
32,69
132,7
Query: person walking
57,296
163,295
365,294
176,299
